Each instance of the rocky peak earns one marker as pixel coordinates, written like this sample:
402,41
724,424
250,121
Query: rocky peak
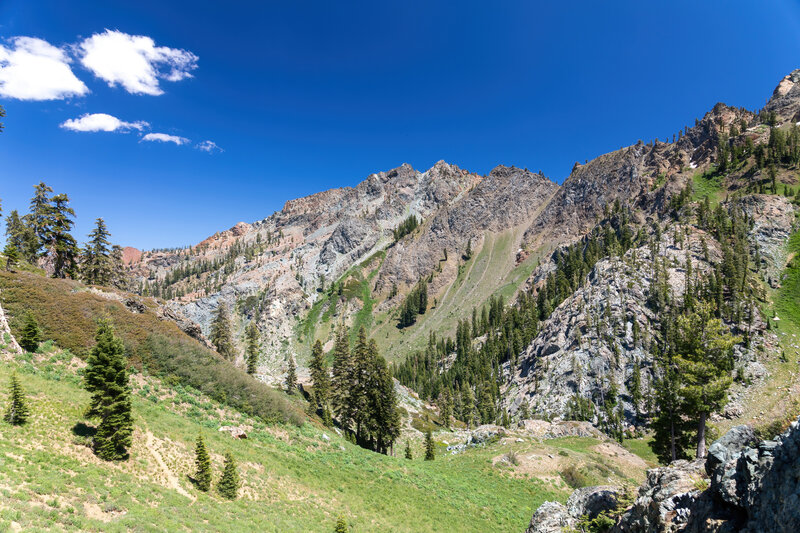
785,100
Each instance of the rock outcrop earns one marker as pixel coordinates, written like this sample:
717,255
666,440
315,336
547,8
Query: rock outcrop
742,486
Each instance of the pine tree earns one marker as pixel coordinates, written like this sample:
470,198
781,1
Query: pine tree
705,362
96,261
221,336
341,525
21,235
340,379
251,349
119,274
430,453
408,451
106,379
291,376
17,413
39,218
63,247
31,334
12,256
202,461
228,485
319,377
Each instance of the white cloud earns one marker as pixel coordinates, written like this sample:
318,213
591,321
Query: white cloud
33,69
208,146
102,122
134,61
165,138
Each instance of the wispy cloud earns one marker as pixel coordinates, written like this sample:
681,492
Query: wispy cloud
33,69
209,146
102,122
165,138
134,61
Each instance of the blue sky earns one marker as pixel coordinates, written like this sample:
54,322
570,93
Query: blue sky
306,96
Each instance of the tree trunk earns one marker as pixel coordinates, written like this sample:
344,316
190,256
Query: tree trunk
672,451
701,436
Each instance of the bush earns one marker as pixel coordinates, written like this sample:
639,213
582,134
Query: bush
574,477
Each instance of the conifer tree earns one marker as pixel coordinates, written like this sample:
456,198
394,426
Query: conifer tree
106,379
119,274
430,452
228,485
12,256
17,413
202,461
319,377
39,218
63,247
21,235
340,379
31,334
341,525
251,348
291,376
221,336
96,262
408,451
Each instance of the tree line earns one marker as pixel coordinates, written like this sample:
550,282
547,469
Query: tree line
43,237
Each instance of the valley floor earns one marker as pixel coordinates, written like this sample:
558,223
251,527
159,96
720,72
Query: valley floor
294,478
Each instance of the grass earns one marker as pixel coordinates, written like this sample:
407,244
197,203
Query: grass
707,184
491,269
67,314
293,478
787,301
641,447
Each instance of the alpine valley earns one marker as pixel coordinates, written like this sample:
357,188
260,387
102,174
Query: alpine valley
548,348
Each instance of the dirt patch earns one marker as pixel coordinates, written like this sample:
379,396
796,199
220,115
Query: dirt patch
620,455
94,512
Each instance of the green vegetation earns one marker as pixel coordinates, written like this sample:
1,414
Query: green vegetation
787,301
405,227
17,413
202,476
228,485
291,478
31,334
106,378
67,314
707,186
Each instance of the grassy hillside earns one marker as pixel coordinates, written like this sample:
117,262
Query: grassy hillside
67,312
294,478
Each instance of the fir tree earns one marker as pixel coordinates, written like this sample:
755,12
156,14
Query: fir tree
340,379
408,451
221,336
251,348
119,274
21,235
31,334
63,247
12,256
291,376
430,452
202,461
228,485
39,219
341,525
319,377
106,379
96,262
17,413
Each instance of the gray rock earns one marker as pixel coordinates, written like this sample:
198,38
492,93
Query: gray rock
550,517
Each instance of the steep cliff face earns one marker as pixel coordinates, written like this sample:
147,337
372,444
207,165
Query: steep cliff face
273,270
506,198
601,333
642,175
